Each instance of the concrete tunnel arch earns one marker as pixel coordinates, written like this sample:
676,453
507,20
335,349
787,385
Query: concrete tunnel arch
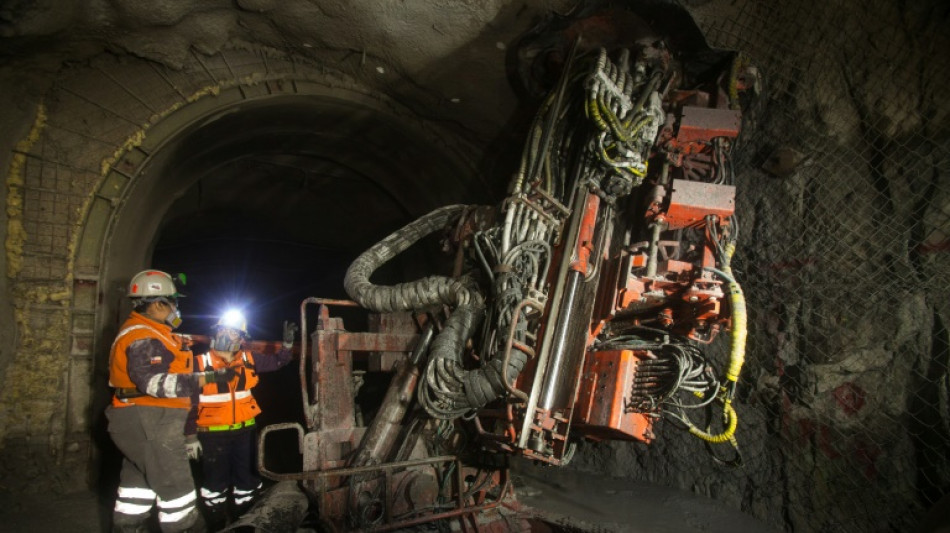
134,136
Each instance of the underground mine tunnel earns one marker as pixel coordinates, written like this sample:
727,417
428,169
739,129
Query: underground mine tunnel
262,147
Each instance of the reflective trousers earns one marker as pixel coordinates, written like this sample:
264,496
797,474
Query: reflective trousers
228,462
155,469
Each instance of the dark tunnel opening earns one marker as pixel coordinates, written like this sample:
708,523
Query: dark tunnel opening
281,196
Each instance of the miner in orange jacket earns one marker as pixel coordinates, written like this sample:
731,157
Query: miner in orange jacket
150,369
223,418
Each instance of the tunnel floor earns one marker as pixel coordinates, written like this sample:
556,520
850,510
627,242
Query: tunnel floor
595,503
80,511
560,501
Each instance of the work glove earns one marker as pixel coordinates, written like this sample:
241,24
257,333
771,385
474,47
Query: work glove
290,330
223,375
192,447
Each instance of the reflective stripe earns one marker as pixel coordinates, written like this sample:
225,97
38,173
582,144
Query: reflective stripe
176,516
140,326
168,385
171,381
225,397
228,427
131,508
178,502
207,360
137,493
242,496
151,388
207,493
128,330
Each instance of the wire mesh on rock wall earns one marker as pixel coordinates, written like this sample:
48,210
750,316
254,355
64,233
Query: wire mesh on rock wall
846,206
844,254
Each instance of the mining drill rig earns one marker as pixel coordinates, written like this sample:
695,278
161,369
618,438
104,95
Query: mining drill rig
579,307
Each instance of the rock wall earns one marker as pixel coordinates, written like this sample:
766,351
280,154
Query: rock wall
844,184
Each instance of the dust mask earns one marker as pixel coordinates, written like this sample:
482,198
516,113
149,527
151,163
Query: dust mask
222,342
174,319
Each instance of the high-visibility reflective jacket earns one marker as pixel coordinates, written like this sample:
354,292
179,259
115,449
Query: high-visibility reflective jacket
150,365
228,403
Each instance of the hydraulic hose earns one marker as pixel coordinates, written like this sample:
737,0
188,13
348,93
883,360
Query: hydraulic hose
731,422
424,292
442,389
739,324
449,390
737,352
485,384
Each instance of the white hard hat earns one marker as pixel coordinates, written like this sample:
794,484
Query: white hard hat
153,283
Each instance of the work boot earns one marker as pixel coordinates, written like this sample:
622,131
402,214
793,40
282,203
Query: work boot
215,517
241,510
199,526
129,524
193,522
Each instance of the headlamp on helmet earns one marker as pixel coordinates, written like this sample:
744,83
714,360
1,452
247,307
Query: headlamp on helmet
230,330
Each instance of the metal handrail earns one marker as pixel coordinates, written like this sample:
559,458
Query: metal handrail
511,342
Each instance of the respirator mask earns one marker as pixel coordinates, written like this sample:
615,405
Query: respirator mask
174,318
226,340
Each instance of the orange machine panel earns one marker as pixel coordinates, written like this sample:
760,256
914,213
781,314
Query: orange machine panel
705,123
600,411
691,201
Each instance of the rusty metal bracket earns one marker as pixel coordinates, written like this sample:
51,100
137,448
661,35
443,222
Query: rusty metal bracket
260,445
308,408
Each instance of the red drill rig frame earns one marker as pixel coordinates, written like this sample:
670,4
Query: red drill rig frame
356,477
578,307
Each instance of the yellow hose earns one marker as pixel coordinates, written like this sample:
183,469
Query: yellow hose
594,113
606,157
736,357
613,121
632,131
732,421
739,325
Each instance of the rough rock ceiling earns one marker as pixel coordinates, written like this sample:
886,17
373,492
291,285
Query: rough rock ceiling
449,61
445,59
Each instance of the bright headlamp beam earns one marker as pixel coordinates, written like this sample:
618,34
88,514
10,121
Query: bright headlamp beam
233,318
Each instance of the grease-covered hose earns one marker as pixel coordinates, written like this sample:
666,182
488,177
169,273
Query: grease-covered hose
485,384
441,389
425,292
448,390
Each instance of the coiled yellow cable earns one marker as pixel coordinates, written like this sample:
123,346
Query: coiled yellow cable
731,422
